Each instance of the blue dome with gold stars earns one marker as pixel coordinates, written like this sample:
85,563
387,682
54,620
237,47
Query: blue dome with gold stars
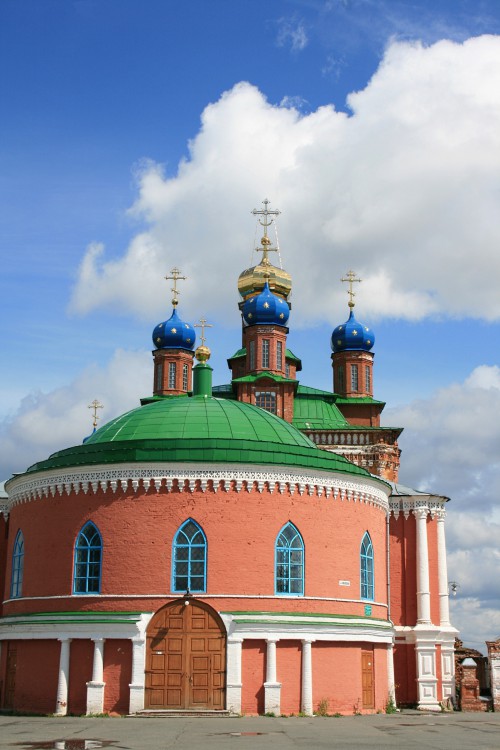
266,308
174,334
352,335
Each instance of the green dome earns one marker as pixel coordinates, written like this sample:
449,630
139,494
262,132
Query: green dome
199,429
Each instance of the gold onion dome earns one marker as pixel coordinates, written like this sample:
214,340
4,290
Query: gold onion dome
252,280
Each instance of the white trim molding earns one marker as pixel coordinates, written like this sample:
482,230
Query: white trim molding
182,477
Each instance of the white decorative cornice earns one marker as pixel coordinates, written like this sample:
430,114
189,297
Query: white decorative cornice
418,505
183,477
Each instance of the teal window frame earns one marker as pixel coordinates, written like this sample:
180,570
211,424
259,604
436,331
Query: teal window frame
17,574
289,562
87,569
189,558
367,571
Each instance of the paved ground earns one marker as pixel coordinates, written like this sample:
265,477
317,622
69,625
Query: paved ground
411,730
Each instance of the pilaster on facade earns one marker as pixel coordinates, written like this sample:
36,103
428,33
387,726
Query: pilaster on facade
494,663
391,682
63,678
95,688
272,688
138,683
427,680
448,665
307,688
234,683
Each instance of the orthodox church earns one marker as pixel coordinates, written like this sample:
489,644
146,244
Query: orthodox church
238,548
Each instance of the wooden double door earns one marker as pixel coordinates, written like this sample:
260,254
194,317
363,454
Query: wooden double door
185,658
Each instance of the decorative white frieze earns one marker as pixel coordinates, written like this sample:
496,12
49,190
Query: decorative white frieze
202,478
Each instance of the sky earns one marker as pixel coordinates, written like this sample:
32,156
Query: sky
138,136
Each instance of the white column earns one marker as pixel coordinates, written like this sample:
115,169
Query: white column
423,587
63,680
137,684
95,688
444,606
307,704
391,685
272,688
234,685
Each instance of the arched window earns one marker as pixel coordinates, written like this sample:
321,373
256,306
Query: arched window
189,558
367,578
16,579
88,561
289,567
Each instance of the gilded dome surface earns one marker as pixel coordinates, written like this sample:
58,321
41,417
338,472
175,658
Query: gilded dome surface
252,280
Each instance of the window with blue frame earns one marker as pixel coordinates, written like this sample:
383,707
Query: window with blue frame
289,577
189,558
16,579
88,561
367,576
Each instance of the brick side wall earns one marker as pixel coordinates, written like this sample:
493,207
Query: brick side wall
36,676
117,675
288,670
80,672
405,672
241,530
403,570
253,673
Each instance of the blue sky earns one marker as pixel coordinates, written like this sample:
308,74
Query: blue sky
135,136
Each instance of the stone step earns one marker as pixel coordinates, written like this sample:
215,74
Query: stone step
167,713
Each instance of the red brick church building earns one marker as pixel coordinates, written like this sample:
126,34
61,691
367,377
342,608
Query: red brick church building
243,547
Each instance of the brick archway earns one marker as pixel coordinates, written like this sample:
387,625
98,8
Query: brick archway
185,657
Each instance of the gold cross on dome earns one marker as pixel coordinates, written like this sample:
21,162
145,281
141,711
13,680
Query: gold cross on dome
95,405
203,324
266,242
176,275
351,278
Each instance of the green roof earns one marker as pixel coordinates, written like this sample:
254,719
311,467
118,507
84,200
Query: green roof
199,429
265,374
288,355
317,414
358,400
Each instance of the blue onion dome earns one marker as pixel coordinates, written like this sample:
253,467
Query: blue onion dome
266,308
174,334
352,335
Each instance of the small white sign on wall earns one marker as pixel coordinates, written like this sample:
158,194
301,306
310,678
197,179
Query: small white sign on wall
344,583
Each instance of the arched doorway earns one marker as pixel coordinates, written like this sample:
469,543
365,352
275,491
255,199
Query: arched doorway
186,657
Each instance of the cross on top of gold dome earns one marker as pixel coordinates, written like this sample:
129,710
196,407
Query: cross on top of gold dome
265,241
176,275
351,278
95,405
203,324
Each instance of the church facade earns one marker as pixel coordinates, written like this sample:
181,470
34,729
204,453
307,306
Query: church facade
242,548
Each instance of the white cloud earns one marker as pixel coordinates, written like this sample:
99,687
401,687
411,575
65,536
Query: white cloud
47,422
405,191
292,33
451,444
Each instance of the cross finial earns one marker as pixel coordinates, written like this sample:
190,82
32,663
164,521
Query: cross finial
176,275
95,405
266,242
203,324
351,278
